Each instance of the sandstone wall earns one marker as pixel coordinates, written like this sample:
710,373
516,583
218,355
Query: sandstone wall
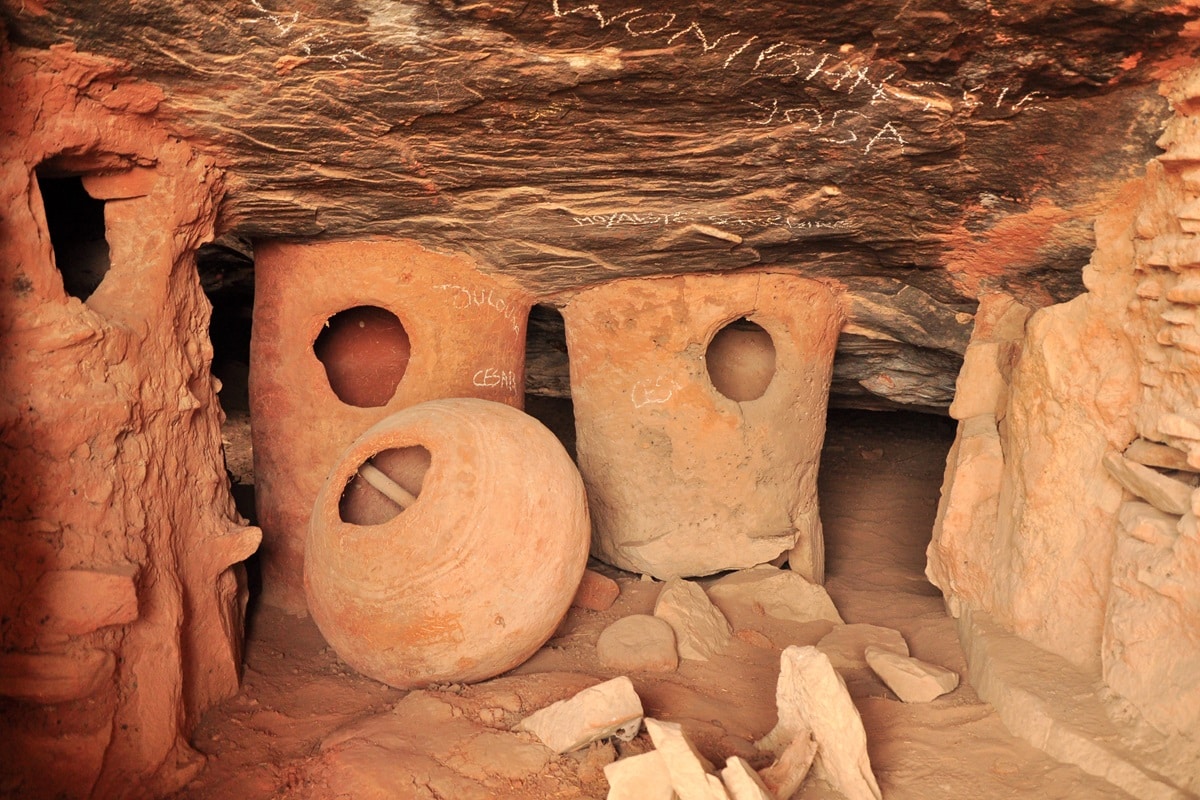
120,609
1069,508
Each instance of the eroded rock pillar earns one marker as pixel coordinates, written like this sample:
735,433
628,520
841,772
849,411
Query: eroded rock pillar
346,334
700,412
120,599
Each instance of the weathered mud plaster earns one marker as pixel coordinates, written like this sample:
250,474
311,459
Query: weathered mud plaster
1083,538
683,480
120,601
466,335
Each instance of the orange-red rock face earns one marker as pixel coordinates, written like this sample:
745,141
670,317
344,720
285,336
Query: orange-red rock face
683,479
460,333
1073,521
120,600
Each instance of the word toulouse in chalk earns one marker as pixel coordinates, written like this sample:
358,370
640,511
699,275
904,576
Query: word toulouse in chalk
466,298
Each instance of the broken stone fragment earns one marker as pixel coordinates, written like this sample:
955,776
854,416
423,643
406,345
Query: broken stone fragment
701,630
608,709
638,643
846,645
685,766
791,767
596,592
1153,454
743,783
640,777
812,700
1165,494
779,593
913,680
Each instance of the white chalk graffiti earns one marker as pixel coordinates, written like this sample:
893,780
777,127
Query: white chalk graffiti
786,60
314,46
465,297
490,377
668,218
653,392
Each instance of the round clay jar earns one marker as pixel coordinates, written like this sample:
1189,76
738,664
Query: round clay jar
473,576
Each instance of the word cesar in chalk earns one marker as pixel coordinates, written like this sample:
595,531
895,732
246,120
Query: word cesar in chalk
490,377
467,298
758,220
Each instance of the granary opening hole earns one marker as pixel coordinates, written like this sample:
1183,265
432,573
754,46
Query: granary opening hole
76,225
548,374
741,360
384,485
365,351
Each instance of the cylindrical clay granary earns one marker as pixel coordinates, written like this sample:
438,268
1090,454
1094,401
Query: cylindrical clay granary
346,334
472,566
700,412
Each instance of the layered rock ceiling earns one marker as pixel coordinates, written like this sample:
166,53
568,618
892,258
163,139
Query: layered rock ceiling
920,152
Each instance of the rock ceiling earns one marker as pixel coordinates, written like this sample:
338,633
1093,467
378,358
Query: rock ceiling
921,152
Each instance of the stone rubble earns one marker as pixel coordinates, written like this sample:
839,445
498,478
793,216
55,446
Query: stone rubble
1153,454
596,592
812,700
775,592
913,680
611,708
640,777
846,645
701,630
785,775
743,783
1165,494
687,768
638,643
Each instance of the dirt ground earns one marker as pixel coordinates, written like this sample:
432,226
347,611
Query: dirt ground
306,726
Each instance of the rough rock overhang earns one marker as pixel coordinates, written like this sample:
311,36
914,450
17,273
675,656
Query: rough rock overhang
920,153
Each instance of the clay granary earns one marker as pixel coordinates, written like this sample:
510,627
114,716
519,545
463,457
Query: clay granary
561,399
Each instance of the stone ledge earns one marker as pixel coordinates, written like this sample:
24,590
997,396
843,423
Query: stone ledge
1059,709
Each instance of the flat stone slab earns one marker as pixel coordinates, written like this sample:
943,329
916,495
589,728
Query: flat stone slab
701,630
1165,494
640,777
812,700
775,592
686,766
913,680
611,708
638,643
742,782
846,645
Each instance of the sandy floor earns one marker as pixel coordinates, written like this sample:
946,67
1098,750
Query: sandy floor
306,726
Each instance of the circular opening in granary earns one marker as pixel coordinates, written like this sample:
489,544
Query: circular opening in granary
741,360
384,485
365,351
